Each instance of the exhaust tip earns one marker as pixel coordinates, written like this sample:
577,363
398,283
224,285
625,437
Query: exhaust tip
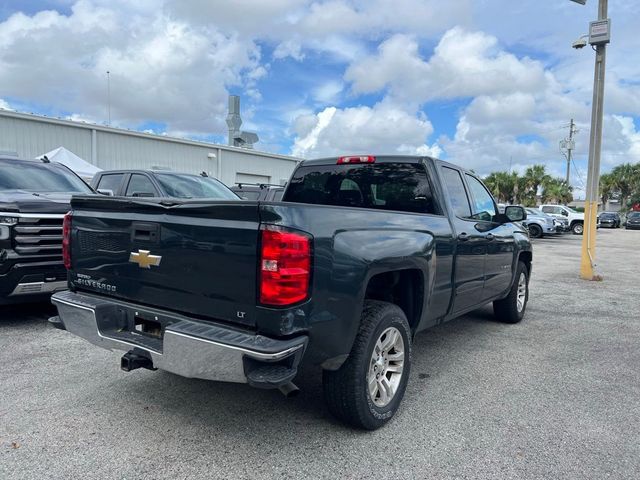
289,390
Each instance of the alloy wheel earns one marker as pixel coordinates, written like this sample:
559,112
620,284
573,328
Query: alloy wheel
386,367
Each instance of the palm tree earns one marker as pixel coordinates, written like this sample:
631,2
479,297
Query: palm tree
534,177
556,190
503,186
607,188
627,180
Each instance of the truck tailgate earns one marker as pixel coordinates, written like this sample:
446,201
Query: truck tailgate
194,257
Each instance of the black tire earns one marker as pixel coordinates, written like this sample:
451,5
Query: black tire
577,228
535,230
346,391
506,310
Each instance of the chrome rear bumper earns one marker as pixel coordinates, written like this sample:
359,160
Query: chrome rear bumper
187,347
37,288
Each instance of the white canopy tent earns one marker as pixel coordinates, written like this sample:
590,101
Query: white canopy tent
81,167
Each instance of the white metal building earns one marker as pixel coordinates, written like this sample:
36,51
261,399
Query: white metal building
114,148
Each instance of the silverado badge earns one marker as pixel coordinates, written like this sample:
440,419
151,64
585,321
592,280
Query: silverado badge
144,259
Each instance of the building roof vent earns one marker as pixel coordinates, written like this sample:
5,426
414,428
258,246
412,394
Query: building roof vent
238,138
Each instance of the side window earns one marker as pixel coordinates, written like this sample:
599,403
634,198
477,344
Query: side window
111,182
140,186
482,205
457,193
548,210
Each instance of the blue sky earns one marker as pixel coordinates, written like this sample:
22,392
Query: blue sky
485,83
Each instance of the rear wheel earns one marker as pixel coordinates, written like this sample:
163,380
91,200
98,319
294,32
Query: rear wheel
367,390
511,309
577,228
535,231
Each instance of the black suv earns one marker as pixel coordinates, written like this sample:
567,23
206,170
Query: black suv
160,183
259,191
34,196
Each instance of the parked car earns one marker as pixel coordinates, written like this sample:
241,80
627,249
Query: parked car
610,220
34,196
574,218
633,221
160,183
259,191
539,224
363,253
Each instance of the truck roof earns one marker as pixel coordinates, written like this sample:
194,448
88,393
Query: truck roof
379,159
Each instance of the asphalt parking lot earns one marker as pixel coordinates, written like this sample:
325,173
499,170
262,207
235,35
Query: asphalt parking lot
557,396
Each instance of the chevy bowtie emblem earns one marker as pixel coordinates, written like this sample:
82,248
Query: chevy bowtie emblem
144,259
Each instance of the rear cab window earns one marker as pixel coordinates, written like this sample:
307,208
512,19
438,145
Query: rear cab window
383,186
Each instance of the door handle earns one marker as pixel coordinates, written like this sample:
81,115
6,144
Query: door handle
463,237
490,236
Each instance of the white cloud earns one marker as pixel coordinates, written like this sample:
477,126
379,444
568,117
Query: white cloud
289,48
328,92
162,69
4,105
464,64
379,129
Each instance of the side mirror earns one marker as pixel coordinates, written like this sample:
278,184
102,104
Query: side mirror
515,213
565,213
105,191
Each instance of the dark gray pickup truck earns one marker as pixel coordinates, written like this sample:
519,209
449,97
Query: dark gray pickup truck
362,253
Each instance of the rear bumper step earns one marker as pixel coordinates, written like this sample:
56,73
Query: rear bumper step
187,347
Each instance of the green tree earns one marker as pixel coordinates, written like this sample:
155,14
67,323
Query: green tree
534,178
608,188
503,186
556,190
627,181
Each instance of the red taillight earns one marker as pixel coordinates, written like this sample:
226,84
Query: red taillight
66,241
357,159
285,266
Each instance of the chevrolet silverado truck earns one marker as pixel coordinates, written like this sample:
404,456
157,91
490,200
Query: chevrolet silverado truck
34,196
363,252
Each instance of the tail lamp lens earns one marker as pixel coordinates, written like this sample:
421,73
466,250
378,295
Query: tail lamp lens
66,241
285,267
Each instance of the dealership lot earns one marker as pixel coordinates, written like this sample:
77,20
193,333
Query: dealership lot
557,396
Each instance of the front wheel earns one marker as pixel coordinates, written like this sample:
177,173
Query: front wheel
535,231
511,309
577,228
367,389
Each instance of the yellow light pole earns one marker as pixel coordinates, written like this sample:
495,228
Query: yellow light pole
599,33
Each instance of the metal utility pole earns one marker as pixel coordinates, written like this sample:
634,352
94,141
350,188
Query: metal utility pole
109,98
599,34
568,144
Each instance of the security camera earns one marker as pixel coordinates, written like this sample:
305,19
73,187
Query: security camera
580,43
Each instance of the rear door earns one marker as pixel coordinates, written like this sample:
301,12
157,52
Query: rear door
198,258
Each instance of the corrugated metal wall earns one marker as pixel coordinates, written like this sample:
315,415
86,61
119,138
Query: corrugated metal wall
31,136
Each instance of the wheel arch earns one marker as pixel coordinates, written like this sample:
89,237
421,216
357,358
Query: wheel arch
404,288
